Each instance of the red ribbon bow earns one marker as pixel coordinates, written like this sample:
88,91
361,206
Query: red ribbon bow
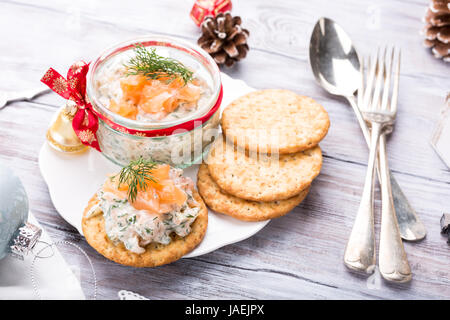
203,8
85,121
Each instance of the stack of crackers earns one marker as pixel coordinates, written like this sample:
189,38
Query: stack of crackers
265,161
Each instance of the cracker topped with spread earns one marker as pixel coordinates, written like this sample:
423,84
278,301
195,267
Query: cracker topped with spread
145,216
275,121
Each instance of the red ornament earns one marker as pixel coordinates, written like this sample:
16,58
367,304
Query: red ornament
203,8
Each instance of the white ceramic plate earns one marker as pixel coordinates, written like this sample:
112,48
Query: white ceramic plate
73,179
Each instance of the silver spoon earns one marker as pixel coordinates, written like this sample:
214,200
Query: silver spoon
335,64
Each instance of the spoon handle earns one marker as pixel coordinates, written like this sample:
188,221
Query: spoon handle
411,228
360,250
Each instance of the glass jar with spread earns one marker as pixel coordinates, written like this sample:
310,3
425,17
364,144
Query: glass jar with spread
156,98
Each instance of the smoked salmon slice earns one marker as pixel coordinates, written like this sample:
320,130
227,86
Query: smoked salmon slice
154,96
158,197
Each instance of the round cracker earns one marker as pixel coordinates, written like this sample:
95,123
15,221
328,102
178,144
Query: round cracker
275,121
156,254
241,209
276,177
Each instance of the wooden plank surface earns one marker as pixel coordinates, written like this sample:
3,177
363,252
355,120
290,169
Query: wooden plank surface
297,256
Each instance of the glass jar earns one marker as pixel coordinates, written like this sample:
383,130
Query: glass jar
183,141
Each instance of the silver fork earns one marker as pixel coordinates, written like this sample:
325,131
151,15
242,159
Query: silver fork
393,262
373,99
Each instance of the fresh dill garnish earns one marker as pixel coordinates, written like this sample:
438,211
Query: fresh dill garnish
148,63
132,219
136,175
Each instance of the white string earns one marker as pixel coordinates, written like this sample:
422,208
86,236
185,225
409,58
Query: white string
37,255
33,280
130,295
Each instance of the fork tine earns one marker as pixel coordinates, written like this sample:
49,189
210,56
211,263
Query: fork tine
380,74
396,80
369,82
387,82
361,84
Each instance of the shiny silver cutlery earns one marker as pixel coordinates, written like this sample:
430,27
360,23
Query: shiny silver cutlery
379,111
335,64
360,250
10,96
393,262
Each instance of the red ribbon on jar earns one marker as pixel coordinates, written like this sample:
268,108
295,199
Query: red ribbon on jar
85,120
203,8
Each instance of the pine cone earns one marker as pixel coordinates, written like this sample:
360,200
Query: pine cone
437,29
224,38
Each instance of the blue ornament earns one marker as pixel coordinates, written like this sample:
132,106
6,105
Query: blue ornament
16,235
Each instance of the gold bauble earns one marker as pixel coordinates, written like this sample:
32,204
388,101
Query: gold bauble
61,136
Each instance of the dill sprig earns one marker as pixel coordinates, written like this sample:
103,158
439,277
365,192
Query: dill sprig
136,175
153,66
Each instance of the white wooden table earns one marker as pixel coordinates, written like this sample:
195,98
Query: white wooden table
299,255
